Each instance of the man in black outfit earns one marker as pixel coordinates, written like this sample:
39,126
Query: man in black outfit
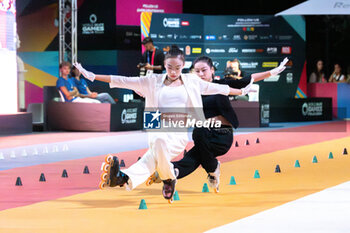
152,58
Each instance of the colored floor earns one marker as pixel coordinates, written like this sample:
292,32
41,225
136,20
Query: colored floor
74,205
330,207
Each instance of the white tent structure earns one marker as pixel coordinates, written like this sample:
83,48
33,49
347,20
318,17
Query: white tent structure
319,7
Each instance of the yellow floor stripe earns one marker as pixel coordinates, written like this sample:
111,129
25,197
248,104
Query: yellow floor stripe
116,210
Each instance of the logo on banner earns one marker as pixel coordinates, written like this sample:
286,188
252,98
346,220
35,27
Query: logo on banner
188,50
271,50
286,50
185,23
93,18
237,37
129,116
196,50
195,37
93,27
265,114
269,64
272,79
208,50
210,37
171,22
151,120
232,50
249,65
289,77
312,109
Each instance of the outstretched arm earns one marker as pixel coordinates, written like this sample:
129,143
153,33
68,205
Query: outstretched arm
134,83
263,75
208,88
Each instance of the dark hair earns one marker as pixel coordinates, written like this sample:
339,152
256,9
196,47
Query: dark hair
147,40
318,73
65,63
204,59
74,72
175,52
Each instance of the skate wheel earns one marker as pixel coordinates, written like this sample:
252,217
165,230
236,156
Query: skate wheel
102,165
170,201
104,176
108,158
105,167
102,185
216,190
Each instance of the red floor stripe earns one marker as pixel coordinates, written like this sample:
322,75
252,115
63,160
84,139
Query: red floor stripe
44,138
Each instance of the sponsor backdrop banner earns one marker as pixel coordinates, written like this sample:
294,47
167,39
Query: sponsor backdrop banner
258,42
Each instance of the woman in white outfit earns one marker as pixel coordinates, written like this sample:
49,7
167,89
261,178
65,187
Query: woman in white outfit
172,89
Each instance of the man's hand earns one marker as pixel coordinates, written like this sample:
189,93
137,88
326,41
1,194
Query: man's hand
148,67
94,95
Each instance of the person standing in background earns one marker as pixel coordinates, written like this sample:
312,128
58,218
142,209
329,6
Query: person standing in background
152,58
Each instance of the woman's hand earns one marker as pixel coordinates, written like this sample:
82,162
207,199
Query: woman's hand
280,68
245,90
87,74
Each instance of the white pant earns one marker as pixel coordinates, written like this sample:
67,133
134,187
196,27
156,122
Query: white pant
163,147
85,100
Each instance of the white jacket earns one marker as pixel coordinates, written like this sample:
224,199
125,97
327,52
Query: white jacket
150,87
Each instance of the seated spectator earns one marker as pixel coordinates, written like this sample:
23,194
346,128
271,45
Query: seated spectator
84,91
236,67
348,75
337,76
318,76
66,86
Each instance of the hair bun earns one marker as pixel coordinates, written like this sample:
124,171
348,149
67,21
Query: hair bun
174,47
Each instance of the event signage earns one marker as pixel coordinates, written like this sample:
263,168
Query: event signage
259,42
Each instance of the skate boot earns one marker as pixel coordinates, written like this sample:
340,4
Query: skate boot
111,175
154,178
169,189
214,178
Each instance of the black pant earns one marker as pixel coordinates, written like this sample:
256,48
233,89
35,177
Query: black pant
208,144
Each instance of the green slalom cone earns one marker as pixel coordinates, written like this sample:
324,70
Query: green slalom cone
232,181
205,188
256,174
176,196
330,156
143,205
297,164
314,160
